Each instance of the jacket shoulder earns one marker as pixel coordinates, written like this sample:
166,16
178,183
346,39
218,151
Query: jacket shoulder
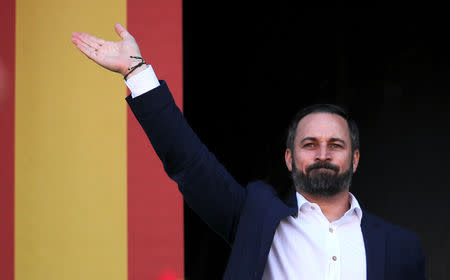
394,231
262,188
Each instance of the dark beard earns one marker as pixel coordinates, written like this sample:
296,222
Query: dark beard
324,182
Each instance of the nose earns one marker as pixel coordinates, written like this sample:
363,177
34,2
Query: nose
323,153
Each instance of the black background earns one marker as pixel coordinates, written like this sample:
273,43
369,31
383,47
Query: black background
248,67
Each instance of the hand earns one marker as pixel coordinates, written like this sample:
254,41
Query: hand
114,56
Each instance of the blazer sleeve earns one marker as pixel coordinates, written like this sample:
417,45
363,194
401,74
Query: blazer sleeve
206,185
417,267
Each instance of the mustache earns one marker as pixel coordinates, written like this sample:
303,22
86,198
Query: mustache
321,164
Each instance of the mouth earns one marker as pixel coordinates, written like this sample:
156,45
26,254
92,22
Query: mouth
322,170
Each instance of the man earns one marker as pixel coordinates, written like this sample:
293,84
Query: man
318,232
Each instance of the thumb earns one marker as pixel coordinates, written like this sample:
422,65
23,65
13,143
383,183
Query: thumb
121,31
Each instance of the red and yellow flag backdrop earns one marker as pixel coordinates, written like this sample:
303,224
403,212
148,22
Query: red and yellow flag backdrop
82,194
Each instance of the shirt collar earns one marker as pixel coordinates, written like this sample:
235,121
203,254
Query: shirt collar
354,205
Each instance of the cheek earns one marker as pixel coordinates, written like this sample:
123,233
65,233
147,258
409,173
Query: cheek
304,159
344,160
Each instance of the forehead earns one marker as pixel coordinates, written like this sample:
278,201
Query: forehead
323,126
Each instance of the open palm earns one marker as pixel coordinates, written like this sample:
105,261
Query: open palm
114,56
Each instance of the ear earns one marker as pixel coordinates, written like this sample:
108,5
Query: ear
355,160
288,159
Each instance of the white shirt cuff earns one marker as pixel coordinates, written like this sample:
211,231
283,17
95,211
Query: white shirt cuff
142,82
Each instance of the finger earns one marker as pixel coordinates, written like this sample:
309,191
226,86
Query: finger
89,40
121,31
75,35
95,39
77,41
84,48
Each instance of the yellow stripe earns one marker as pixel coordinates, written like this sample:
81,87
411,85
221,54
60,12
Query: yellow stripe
70,129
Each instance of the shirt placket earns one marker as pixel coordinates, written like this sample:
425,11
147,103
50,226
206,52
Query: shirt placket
333,254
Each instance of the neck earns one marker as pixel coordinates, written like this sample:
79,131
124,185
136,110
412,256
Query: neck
333,207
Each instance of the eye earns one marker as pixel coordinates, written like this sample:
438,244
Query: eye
309,145
336,146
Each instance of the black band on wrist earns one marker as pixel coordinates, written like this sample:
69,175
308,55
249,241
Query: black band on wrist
131,69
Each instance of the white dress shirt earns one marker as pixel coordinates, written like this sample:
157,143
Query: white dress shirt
307,246
310,247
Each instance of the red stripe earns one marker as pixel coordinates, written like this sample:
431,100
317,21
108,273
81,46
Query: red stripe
155,217
7,58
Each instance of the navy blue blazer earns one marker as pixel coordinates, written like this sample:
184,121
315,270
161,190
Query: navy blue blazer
247,217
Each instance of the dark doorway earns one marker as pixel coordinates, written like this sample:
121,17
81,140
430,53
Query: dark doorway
249,67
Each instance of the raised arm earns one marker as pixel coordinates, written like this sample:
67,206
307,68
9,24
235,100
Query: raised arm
206,185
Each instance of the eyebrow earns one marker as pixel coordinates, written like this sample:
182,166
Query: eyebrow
308,139
334,139
337,140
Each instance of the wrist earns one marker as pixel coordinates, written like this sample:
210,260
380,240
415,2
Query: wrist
138,69
136,65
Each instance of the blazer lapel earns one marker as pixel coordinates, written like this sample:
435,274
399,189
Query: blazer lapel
375,245
276,211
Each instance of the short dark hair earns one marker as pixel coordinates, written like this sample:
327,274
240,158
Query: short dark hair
323,108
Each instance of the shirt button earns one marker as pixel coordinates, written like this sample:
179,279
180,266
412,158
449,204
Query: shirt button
312,207
331,230
334,258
